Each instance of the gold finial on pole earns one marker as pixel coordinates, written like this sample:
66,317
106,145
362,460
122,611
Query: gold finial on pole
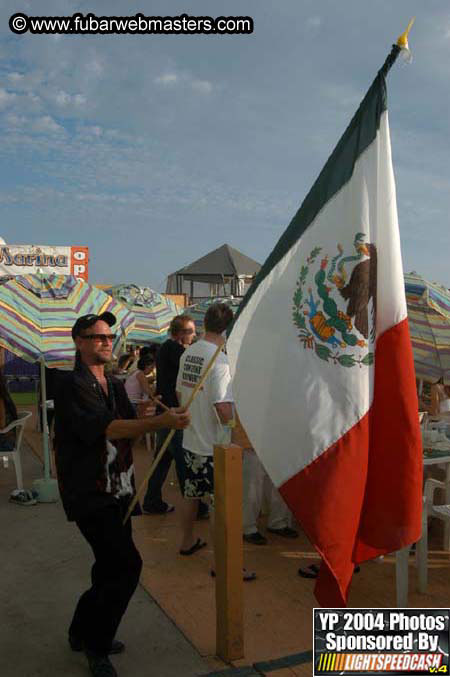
402,40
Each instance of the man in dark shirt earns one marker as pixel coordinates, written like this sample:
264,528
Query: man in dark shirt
94,427
182,333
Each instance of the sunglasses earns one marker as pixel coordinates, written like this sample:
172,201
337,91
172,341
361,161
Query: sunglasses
104,338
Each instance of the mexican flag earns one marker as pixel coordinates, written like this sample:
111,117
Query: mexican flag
323,369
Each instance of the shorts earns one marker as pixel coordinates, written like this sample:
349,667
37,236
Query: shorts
195,474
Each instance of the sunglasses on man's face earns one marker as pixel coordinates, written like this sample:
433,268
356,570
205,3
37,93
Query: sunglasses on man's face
104,338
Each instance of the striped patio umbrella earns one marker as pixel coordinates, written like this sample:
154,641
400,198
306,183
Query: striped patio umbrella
37,313
152,311
429,325
198,311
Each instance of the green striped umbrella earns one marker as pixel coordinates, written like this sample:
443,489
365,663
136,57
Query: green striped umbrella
429,326
198,311
152,311
37,313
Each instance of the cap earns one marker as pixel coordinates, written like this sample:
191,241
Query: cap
86,321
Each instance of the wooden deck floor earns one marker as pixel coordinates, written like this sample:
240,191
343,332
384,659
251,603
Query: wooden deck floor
279,604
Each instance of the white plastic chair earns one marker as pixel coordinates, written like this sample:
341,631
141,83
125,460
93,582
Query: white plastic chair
430,509
19,425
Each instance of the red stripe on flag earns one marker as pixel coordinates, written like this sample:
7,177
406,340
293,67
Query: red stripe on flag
363,496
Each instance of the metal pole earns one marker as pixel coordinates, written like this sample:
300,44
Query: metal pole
45,435
46,487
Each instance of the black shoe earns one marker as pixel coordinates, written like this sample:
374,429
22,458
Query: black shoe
76,644
256,538
162,509
286,532
100,665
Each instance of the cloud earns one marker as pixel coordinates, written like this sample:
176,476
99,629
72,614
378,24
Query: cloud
167,79
15,77
313,22
15,121
202,86
95,130
29,81
196,85
6,98
62,98
47,125
95,67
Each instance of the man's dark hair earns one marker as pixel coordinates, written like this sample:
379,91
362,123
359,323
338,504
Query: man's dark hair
152,350
218,317
178,323
145,361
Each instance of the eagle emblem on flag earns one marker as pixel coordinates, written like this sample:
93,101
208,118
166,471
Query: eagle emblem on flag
335,309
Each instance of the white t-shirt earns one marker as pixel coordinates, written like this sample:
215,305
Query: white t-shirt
205,429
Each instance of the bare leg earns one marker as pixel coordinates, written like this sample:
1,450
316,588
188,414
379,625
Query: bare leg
187,512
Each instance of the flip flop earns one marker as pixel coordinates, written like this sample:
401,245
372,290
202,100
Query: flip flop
310,571
198,545
246,575
23,497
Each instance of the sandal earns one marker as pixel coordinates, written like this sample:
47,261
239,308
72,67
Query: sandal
246,575
311,571
23,497
198,545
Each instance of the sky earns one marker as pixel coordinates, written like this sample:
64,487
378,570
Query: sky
154,150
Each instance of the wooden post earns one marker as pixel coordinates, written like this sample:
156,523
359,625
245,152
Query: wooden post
228,552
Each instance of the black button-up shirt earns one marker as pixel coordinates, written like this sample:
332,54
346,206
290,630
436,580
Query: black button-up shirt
91,472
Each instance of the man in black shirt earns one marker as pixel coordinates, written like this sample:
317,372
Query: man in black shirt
94,427
182,333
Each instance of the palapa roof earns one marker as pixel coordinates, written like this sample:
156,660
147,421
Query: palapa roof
224,261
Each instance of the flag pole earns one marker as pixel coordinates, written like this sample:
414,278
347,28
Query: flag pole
170,435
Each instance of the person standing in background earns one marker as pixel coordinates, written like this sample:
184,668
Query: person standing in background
257,486
182,333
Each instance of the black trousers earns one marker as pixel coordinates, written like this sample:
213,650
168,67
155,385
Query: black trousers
153,497
115,575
